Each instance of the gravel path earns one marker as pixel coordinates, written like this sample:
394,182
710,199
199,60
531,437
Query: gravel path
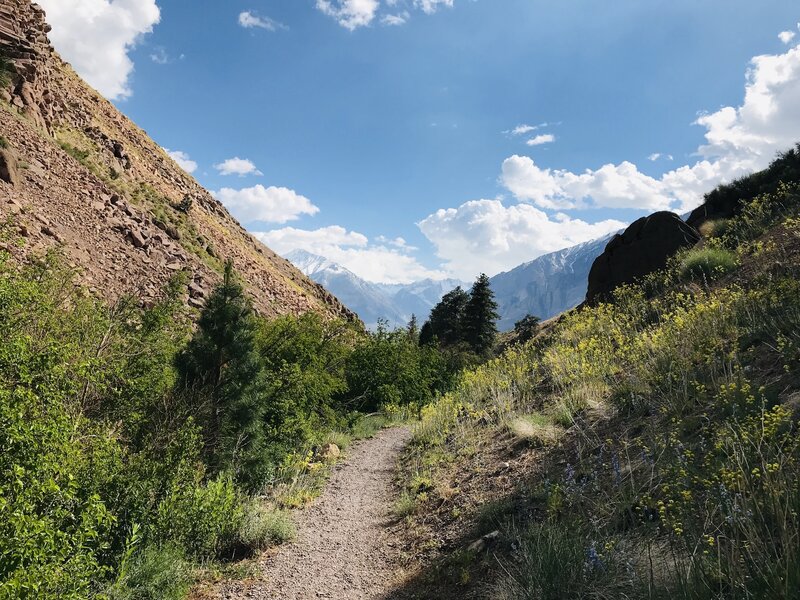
344,547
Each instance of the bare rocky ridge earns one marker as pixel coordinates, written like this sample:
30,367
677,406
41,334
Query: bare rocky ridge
346,547
77,173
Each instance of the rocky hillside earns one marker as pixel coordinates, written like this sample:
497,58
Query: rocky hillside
77,174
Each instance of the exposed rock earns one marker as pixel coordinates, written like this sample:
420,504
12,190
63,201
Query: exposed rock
136,238
330,452
482,543
196,291
644,247
8,167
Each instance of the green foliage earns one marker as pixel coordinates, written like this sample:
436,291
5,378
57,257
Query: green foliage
707,263
526,328
729,198
388,367
263,527
479,322
686,479
3,142
445,322
153,573
6,71
463,322
219,369
204,519
77,153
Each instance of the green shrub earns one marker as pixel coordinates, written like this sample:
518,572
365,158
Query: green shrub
6,71
205,519
3,142
263,527
153,573
405,505
715,228
555,562
80,155
707,263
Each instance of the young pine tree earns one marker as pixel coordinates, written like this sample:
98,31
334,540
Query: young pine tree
220,371
480,317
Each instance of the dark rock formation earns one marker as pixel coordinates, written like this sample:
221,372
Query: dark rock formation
644,247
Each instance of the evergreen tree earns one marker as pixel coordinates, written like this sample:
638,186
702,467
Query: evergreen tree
413,329
220,370
480,317
445,322
526,328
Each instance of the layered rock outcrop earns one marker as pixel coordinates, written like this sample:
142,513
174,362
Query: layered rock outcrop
125,215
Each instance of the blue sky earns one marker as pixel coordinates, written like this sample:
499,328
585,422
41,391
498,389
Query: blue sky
391,147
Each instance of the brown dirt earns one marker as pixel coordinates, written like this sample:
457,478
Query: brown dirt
345,546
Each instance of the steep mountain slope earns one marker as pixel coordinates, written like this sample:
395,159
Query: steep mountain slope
76,173
546,286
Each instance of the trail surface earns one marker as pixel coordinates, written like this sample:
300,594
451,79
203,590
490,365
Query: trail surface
344,547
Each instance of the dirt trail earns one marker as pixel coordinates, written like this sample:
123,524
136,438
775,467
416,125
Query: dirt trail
344,547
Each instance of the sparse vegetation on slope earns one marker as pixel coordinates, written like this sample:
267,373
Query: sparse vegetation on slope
678,473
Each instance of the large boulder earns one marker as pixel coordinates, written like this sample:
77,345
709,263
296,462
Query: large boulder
8,167
644,247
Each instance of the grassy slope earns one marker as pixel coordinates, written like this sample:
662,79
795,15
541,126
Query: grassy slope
645,449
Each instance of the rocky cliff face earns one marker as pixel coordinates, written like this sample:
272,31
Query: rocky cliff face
78,174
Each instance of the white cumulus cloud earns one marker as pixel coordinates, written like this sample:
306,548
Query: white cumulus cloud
95,36
545,138
183,160
786,36
739,140
385,262
487,236
268,204
237,166
350,14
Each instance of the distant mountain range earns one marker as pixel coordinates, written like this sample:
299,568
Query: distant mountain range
373,301
545,287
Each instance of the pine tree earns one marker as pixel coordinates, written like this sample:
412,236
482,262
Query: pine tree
526,328
445,321
220,368
413,329
480,317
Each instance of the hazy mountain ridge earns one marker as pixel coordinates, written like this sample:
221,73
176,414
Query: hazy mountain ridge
547,285
373,301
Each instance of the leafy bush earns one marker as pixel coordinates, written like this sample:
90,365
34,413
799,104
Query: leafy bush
203,519
707,263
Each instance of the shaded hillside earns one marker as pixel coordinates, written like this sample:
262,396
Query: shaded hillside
76,172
